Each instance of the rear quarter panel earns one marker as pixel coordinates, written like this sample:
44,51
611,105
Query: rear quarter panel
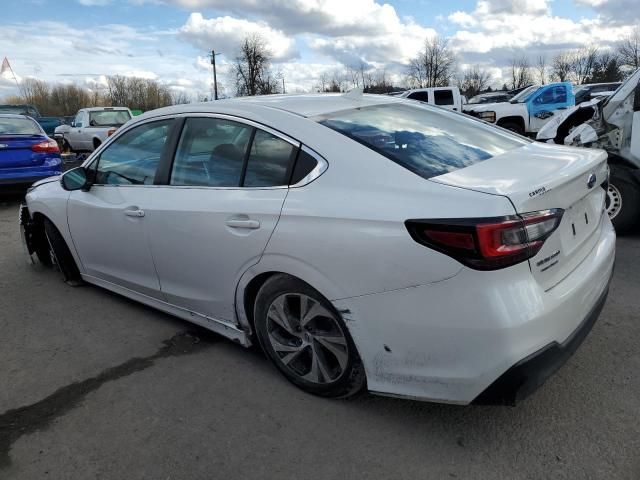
345,234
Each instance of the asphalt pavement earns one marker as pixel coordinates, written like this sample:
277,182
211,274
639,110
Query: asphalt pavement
94,386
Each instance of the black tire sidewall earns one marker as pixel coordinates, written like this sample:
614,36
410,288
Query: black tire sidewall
353,378
629,190
65,259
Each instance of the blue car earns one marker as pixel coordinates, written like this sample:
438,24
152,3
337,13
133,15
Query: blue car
27,154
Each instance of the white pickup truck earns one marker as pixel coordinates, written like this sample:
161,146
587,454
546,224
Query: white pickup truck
613,124
91,127
528,111
445,97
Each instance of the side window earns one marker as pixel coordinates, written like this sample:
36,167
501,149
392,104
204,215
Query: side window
443,97
132,159
269,161
559,95
420,96
305,163
210,153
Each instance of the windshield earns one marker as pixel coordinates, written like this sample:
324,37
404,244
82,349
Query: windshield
423,139
109,118
524,95
19,126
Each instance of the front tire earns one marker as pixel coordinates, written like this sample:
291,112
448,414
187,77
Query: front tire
62,256
306,339
623,199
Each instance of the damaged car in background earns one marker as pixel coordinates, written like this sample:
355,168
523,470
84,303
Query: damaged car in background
611,123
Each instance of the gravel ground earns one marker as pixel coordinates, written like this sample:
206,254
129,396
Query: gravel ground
95,386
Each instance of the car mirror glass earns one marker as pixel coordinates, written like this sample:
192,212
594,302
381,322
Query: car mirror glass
75,179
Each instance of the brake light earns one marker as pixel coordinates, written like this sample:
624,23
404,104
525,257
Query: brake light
48,146
488,243
111,131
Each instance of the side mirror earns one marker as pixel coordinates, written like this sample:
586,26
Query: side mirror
75,179
72,124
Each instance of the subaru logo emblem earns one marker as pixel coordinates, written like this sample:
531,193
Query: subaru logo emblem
591,181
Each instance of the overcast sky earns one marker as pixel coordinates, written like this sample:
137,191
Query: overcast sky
168,40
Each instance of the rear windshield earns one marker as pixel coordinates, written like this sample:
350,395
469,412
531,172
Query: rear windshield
19,126
423,139
109,118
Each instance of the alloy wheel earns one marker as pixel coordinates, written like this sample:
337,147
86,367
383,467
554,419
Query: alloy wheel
307,338
614,201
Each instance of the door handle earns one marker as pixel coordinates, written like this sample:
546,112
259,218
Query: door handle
134,212
237,223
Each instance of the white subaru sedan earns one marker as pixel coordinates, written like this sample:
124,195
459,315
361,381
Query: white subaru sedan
364,242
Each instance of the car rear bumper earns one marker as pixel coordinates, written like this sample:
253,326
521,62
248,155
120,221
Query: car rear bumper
28,175
528,374
452,341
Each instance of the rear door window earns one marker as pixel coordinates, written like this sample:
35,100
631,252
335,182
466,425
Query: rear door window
269,161
443,97
423,139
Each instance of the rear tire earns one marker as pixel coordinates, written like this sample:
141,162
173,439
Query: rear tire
306,339
62,256
623,199
514,127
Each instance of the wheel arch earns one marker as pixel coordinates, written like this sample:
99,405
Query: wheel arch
96,142
255,277
512,119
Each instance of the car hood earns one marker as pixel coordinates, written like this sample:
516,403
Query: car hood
493,107
55,178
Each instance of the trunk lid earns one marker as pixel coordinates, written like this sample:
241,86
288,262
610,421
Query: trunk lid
15,151
541,177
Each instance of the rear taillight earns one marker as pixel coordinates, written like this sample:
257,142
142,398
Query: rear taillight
48,146
111,131
488,243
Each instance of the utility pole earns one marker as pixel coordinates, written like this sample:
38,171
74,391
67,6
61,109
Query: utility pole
215,81
283,90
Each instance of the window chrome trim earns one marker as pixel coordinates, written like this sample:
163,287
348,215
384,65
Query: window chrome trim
317,171
246,121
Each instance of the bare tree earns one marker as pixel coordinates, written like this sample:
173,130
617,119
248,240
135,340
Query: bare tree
35,92
629,50
520,73
561,67
541,69
253,68
434,65
474,80
583,61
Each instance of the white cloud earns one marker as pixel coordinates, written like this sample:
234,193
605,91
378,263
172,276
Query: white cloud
524,24
225,34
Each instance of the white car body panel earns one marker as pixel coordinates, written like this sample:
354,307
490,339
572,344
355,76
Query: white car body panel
424,325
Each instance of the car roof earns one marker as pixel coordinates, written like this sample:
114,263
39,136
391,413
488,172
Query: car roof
304,105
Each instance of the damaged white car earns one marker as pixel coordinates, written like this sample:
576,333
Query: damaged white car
612,124
363,241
